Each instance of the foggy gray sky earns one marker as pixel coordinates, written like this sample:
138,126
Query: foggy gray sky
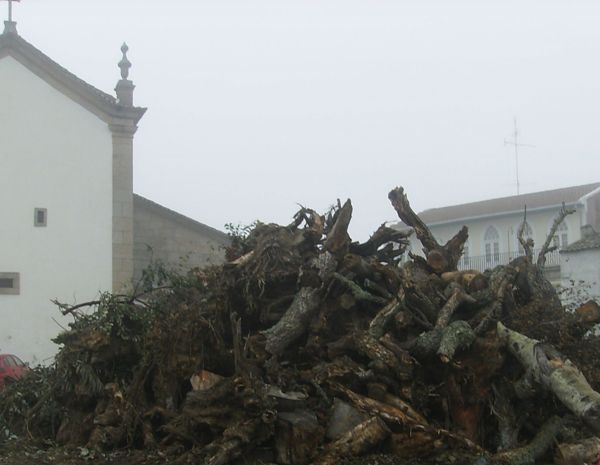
256,105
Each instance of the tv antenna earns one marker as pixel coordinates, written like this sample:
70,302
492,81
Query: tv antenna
10,5
516,144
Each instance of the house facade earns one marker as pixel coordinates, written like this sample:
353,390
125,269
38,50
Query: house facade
68,216
580,267
494,224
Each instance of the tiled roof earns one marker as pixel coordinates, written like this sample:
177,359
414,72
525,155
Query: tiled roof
142,202
568,195
589,242
33,56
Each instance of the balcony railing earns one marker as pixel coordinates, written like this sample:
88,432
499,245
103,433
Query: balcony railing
484,262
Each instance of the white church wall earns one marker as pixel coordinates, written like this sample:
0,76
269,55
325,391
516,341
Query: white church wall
507,227
58,156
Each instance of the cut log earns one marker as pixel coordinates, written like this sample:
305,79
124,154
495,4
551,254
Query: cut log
378,325
357,441
470,280
458,297
294,322
457,336
358,292
377,352
412,444
556,373
586,451
338,240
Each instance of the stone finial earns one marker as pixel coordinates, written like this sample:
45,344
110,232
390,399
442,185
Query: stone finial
10,27
124,64
125,87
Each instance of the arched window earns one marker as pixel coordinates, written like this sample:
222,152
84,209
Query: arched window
527,234
561,236
491,244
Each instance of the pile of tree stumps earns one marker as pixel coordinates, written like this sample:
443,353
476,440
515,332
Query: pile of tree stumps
309,348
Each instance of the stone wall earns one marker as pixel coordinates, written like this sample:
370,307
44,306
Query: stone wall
163,235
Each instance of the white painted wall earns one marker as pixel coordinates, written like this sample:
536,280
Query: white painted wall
583,269
56,155
507,227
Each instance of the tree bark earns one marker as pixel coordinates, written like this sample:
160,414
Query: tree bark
294,322
338,240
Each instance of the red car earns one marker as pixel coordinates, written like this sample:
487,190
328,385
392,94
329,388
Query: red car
11,366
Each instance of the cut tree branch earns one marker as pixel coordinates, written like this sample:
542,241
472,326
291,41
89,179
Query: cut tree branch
439,258
527,244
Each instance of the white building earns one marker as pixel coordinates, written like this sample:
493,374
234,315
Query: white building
580,267
68,210
493,225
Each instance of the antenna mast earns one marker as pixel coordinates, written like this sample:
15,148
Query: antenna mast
515,143
10,5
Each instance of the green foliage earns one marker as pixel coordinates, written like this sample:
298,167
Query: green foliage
27,405
238,235
238,231
107,342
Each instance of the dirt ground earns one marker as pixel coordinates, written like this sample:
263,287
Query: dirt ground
21,453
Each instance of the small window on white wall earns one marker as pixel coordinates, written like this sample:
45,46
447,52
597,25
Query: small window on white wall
491,243
40,217
9,283
466,260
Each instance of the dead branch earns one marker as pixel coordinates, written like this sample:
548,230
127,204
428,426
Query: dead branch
383,235
526,244
439,258
338,240
358,292
562,214
458,297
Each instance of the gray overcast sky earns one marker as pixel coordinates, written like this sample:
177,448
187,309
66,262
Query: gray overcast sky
256,105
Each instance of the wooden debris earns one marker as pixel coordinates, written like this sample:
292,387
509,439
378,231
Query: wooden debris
556,373
585,451
307,347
